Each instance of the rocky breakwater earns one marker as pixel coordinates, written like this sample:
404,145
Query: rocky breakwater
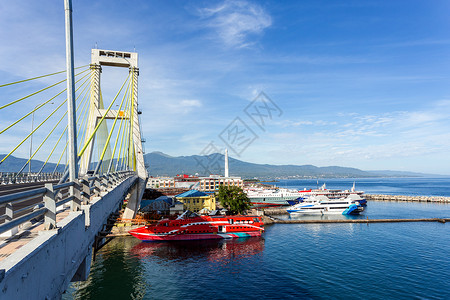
437,199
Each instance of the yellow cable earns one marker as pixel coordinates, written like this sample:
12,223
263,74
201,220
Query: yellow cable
101,120
62,134
118,137
112,127
28,96
62,153
23,141
38,77
39,106
48,135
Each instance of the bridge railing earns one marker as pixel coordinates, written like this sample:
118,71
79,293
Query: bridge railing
53,197
14,178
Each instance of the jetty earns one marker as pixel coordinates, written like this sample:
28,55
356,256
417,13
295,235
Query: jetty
436,199
271,220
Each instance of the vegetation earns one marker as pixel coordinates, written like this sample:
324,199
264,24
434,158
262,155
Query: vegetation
233,199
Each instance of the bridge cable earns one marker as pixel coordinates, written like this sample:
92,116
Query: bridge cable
62,134
38,107
101,120
42,76
120,133
117,138
121,153
48,135
83,124
60,157
126,134
41,90
33,131
100,161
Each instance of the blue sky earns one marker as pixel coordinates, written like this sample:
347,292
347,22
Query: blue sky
360,84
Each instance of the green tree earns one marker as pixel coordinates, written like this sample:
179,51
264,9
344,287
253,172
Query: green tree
233,199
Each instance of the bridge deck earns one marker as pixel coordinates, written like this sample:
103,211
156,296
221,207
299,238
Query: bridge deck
11,244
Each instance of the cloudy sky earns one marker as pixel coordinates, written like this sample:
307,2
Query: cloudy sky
362,84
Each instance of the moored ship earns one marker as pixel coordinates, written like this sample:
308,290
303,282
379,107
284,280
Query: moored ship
190,226
265,197
323,205
260,197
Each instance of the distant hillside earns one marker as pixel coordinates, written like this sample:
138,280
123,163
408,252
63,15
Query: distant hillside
163,164
390,173
14,164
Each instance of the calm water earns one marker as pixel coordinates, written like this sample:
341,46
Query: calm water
291,261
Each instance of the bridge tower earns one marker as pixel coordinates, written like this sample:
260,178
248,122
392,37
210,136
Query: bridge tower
122,59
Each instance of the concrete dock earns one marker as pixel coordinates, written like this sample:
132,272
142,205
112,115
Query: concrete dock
436,199
365,221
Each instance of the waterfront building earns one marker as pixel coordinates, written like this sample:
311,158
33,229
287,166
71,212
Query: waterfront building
160,182
185,181
195,200
212,183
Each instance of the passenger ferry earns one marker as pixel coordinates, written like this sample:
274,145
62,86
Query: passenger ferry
261,197
190,226
323,205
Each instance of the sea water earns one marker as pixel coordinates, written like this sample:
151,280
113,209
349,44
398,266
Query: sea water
290,261
415,186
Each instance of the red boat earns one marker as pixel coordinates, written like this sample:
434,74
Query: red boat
190,226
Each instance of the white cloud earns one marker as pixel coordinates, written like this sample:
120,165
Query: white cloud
190,103
236,21
377,139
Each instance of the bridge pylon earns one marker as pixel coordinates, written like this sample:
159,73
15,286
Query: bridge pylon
97,112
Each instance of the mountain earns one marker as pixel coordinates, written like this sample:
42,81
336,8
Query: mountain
390,173
160,164
14,164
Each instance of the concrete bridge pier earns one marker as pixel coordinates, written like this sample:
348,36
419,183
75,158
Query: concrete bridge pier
136,193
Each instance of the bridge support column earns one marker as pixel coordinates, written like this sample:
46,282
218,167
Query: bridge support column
138,157
83,270
136,193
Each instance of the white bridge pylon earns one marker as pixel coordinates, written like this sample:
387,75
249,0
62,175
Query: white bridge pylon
97,111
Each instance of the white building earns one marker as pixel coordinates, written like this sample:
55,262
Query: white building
211,183
160,182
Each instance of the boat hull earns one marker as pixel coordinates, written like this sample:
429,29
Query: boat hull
315,213
186,228
191,237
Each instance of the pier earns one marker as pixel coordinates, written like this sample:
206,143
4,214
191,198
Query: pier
438,199
271,220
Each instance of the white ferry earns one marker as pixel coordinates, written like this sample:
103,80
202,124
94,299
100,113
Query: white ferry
261,197
314,205
264,197
332,194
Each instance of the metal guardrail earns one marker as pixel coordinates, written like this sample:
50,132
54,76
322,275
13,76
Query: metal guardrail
79,192
14,178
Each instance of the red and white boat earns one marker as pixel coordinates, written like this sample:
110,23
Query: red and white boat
190,226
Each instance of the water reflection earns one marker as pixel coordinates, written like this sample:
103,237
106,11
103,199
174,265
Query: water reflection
113,264
321,217
213,250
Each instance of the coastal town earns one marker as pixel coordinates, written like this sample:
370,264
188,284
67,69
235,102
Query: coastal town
226,149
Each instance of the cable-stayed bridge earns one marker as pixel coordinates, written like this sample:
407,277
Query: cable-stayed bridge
51,215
